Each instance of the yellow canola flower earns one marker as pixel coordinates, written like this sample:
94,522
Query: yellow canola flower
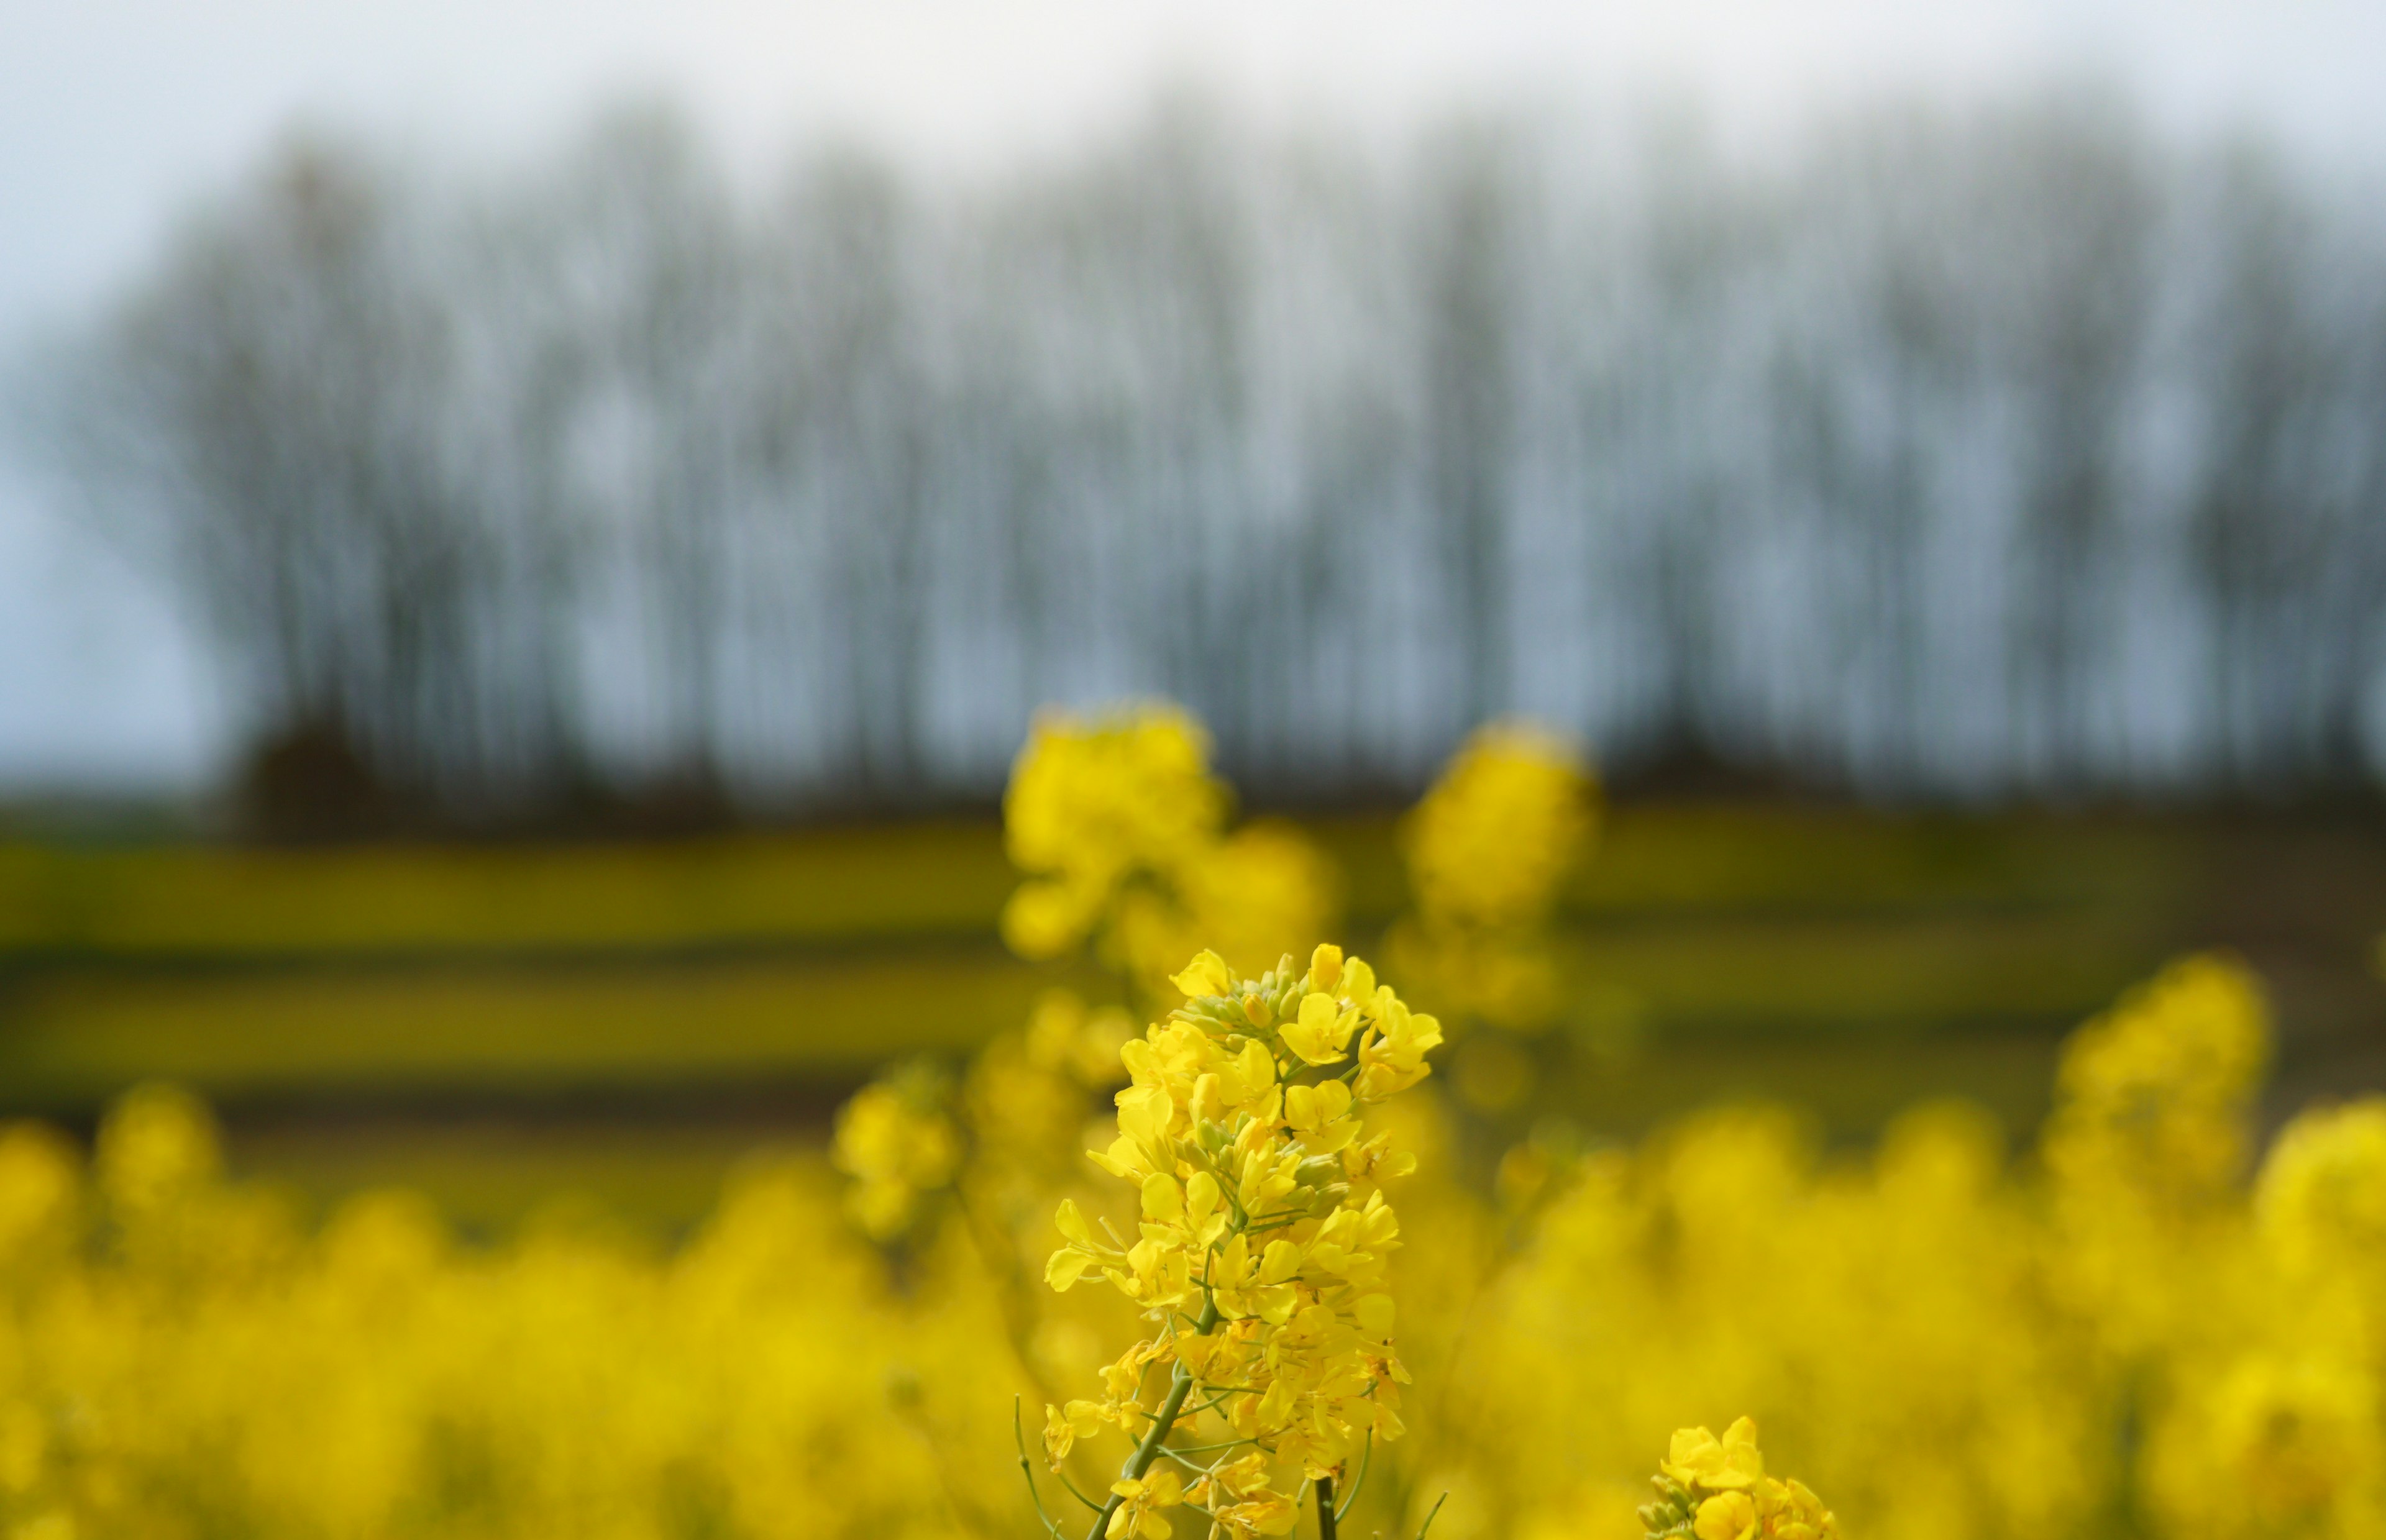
1130,788
1509,817
1488,850
1119,827
2154,1091
1725,1516
181,1355
2146,1147
1138,1513
1699,1459
1711,1489
1241,1502
1263,1231
897,1143
1094,803
2321,1198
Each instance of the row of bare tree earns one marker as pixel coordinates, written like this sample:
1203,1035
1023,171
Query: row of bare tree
2004,453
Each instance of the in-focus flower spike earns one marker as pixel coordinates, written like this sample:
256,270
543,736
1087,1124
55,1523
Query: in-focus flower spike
1259,1252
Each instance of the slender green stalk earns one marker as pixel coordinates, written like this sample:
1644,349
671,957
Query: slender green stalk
1019,1436
1358,1483
1180,1383
1326,1514
1071,1488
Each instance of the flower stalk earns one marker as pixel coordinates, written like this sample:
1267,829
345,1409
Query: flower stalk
1260,1200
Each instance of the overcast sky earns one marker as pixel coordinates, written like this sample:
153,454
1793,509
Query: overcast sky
115,113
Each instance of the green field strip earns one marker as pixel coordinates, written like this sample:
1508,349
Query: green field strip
949,878
1822,975
1721,857
70,1035
914,879
1850,1089
72,1038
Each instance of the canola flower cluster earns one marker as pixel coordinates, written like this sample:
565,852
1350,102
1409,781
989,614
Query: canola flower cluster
1711,1489
1120,829
2120,1335
1488,850
1508,819
181,1357
1263,1245
899,1143
2144,1323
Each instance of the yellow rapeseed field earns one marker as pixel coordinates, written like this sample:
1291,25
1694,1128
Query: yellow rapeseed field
1270,1299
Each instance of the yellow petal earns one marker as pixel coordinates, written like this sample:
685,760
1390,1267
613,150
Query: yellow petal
1163,1200
1314,1044
1065,1267
1725,1516
1205,975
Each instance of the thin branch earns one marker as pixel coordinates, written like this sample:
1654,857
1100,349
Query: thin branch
1019,1436
1073,1491
1180,1384
1359,1485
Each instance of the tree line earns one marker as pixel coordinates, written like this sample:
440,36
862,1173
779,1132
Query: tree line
1997,452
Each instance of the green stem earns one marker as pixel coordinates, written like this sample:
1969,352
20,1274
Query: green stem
1180,1383
1359,1484
1325,1508
1019,1436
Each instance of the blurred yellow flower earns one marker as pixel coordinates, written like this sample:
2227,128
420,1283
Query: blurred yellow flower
894,1139
1509,817
1699,1459
1487,849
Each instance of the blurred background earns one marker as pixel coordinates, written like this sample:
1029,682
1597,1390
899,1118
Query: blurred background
531,534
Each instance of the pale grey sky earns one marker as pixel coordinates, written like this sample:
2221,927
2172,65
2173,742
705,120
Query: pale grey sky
115,114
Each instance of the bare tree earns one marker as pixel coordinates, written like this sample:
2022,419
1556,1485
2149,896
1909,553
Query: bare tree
2007,450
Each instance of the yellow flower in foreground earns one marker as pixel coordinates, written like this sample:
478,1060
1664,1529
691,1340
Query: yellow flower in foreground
1260,1258
1062,1429
1711,1489
1699,1459
1726,1516
1139,1514
1791,1511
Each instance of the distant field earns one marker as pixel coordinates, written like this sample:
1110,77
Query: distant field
222,903
635,1014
